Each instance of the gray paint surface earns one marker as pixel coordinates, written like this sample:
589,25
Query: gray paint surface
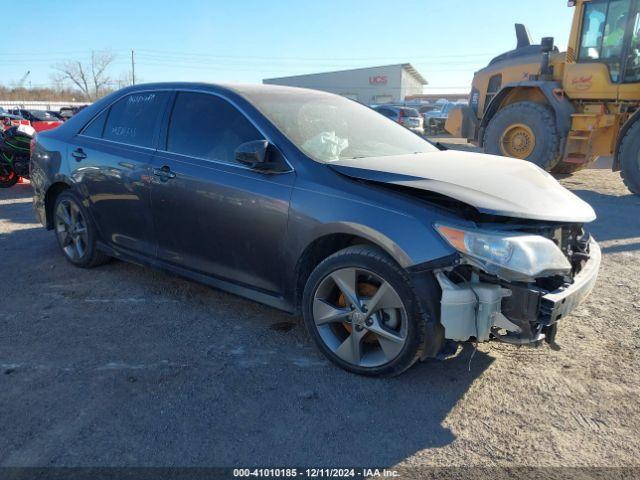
127,366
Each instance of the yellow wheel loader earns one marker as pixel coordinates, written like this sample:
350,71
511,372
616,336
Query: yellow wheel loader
561,111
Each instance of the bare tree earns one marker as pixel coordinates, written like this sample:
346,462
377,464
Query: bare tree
124,80
91,78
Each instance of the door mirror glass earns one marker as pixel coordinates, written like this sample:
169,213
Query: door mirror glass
254,154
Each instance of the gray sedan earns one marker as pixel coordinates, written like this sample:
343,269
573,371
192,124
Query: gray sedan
391,249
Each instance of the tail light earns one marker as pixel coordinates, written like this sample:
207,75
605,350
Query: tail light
25,122
401,116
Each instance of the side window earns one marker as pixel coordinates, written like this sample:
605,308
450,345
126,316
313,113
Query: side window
133,119
603,33
592,30
209,127
96,126
632,72
495,84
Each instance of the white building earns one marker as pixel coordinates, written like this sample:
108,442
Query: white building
373,85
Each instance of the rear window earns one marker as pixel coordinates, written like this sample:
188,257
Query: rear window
96,126
410,112
42,115
133,119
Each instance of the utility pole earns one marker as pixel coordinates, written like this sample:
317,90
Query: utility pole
133,69
20,83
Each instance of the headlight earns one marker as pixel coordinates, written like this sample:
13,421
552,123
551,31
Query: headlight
511,255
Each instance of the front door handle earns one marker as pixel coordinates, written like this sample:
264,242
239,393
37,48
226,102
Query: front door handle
78,154
164,173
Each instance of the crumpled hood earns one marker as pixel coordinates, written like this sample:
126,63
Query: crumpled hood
492,184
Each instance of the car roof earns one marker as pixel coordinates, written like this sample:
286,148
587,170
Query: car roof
238,88
247,92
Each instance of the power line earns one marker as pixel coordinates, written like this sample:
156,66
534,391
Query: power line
185,54
283,57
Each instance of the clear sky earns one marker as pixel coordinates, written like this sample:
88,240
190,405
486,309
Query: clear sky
248,40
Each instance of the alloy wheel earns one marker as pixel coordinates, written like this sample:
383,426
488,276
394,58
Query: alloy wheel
360,317
71,229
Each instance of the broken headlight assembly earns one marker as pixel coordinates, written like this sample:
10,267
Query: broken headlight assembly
509,255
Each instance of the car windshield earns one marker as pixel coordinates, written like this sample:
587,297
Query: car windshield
329,127
410,112
42,115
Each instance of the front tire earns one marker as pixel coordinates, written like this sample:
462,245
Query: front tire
629,155
75,232
360,309
524,130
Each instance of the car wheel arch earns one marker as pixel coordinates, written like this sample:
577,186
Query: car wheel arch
327,244
50,196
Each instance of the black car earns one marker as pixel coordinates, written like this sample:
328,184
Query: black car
35,115
55,115
68,112
316,204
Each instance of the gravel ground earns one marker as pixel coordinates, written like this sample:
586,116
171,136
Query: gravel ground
122,365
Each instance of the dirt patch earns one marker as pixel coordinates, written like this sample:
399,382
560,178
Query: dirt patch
123,365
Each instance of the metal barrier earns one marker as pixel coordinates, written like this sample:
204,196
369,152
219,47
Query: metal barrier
38,105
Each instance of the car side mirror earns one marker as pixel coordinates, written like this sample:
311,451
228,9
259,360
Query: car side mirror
254,154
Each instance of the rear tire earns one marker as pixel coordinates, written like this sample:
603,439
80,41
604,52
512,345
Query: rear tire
391,340
76,232
8,176
524,130
629,156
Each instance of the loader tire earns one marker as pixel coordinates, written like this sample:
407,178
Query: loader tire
629,157
524,130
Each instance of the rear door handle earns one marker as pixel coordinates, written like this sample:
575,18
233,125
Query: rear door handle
78,154
164,173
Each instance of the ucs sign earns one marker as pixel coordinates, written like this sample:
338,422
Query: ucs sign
378,80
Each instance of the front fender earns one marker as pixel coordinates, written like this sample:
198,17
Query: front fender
401,227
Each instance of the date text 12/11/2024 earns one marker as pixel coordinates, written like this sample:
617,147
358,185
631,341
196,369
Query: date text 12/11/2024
315,472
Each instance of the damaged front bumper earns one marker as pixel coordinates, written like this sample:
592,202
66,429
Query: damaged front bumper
476,308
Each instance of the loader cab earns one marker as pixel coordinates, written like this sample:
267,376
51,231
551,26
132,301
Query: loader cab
603,58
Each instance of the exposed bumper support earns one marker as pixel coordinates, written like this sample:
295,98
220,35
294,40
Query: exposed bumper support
518,315
559,303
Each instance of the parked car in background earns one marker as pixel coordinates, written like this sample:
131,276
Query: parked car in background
40,120
7,120
407,117
315,204
68,112
422,109
55,114
435,119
